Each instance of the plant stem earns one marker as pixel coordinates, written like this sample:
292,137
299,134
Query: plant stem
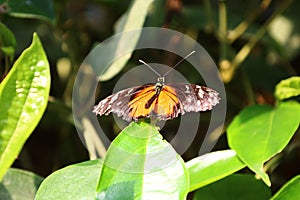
210,21
248,88
228,72
223,30
242,27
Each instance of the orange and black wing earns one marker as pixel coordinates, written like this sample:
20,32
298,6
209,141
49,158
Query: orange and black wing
176,99
162,105
141,102
167,103
128,104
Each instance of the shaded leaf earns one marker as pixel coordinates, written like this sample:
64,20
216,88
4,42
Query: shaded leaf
7,41
19,184
288,88
140,165
211,167
290,190
32,9
261,131
131,20
23,99
78,181
236,186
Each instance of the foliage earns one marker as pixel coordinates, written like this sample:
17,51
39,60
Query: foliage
288,88
234,186
263,129
257,59
23,99
14,180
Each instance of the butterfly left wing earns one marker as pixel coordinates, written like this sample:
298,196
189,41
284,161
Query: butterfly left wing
127,103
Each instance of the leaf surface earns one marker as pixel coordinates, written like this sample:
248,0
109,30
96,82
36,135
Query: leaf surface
23,99
261,131
139,164
211,167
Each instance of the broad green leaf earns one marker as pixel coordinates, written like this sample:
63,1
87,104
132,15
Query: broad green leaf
211,167
289,191
36,9
288,88
19,184
236,186
139,164
131,20
23,99
261,131
7,41
78,181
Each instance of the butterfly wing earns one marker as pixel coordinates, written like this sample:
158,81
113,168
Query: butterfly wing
128,104
144,101
166,104
195,98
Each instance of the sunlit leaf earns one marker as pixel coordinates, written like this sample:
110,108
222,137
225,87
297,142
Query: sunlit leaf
23,99
211,167
78,181
140,165
261,131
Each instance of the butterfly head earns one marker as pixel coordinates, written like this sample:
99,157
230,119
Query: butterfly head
161,80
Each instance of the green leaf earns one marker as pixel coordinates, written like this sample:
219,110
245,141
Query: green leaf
140,165
236,186
131,20
78,181
288,88
211,167
23,99
19,184
290,190
36,9
7,41
261,131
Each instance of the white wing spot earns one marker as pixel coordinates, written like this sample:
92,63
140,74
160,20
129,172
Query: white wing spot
114,97
200,93
129,91
187,88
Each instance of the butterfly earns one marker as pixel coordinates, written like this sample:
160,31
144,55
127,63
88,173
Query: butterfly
159,100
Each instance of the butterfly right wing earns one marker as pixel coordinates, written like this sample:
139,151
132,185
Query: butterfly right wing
126,103
195,98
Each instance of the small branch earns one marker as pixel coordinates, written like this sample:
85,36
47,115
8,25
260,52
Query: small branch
223,30
243,26
208,11
228,72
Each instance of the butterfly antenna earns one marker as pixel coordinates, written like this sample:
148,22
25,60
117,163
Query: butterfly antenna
141,61
179,62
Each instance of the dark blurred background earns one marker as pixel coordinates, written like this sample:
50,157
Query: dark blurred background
270,27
